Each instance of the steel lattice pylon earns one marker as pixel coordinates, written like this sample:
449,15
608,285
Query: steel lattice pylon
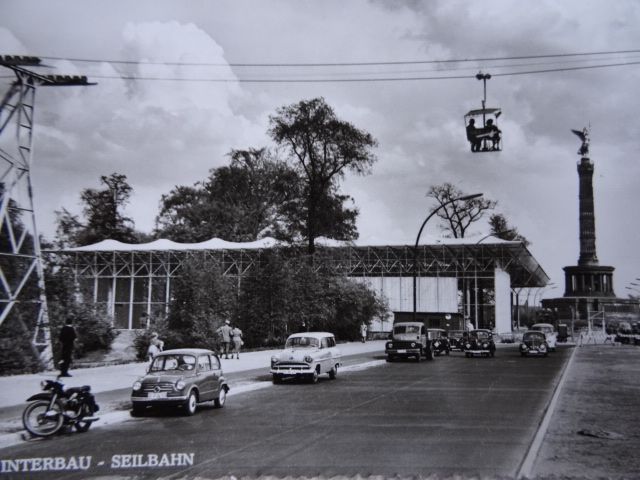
21,266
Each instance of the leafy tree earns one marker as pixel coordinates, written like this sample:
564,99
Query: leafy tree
501,229
202,299
324,149
240,202
458,215
65,299
102,211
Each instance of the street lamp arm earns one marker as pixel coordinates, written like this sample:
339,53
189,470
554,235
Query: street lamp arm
415,247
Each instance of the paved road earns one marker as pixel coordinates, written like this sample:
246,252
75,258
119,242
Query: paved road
450,416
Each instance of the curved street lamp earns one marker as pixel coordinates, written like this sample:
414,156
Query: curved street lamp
415,247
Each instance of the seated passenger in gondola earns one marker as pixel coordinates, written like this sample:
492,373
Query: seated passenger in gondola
493,135
472,136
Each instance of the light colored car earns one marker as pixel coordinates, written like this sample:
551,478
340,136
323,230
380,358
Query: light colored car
183,378
549,332
307,355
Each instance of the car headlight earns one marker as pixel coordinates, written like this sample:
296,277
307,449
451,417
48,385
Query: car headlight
485,345
468,345
436,343
308,359
274,360
180,385
389,345
137,386
543,347
413,345
523,347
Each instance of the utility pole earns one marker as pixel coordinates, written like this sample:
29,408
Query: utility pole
21,263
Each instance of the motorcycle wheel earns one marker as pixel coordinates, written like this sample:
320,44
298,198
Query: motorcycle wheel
39,425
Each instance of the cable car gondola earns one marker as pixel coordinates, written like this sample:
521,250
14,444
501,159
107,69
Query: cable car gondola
482,125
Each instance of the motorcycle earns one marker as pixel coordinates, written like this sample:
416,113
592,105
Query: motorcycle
55,408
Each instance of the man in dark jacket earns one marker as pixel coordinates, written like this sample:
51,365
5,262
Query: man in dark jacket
67,337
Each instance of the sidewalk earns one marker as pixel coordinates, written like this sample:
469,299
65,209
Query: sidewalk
15,389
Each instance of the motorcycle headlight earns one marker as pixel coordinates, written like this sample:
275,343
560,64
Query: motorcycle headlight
180,385
308,359
137,386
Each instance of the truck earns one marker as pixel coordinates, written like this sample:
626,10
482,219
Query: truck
409,340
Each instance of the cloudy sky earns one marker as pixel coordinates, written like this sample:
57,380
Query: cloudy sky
209,73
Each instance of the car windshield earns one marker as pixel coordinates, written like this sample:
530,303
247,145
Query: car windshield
532,336
481,335
543,328
163,363
406,329
302,342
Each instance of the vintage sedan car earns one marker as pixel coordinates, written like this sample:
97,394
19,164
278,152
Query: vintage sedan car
182,378
534,343
307,355
549,332
480,342
439,341
456,340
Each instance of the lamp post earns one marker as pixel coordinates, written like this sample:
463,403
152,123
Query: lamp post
415,247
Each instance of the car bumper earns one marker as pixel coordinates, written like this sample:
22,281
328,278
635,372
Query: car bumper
534,352
292,370
167,401
402,351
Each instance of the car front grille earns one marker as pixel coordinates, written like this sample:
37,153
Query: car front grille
292,365
158,387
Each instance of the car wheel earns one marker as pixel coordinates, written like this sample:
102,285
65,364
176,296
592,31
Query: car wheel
313,378
191,404
136,411
276,379
419,357
333,373
222,398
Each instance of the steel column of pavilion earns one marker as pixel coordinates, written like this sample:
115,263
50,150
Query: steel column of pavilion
21,258
467,262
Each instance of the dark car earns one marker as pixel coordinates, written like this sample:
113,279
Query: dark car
534,343
180,378
439,341
479,342
456,340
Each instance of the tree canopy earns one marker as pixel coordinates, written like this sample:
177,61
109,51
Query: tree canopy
501,229
102,210
244,201
324,148
460,214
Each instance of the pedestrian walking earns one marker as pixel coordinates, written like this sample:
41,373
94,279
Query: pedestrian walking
225,333
67,339
155,346
237,341
363,332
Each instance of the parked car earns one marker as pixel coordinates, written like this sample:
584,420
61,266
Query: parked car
507,337
456,340
307,355
534,343
549,332
480,342
439,341
183,378
408,340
